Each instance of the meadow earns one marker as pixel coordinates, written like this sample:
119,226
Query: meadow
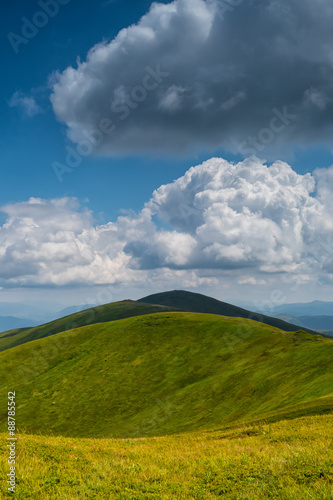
165,373
287,460
137,402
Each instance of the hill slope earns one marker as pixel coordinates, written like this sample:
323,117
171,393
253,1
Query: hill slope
196,302
100,314
166,373
162,302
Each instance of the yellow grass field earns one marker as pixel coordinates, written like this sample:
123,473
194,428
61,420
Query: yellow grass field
288,460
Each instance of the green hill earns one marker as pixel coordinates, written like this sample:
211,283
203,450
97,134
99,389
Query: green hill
165,373
161,302
196,302
14,331
99,314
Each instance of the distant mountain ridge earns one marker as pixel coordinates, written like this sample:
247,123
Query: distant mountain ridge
316,315
174,301
314,308
315,322
99,314
196,302
11,322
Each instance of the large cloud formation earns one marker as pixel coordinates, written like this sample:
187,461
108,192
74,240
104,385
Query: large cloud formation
248,221
202,74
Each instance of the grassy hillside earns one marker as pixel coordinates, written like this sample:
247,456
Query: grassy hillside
162,302
195,302
165,373
100,314
284,461
13,331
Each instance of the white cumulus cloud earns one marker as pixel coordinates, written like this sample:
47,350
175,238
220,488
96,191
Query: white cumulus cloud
246,222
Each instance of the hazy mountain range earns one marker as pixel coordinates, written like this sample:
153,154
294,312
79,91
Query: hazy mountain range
16,315
316,315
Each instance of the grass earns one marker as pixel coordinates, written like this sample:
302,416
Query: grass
165,373
284,461
99,314
169,405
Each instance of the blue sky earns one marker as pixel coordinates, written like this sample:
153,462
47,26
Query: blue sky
36,129
30,145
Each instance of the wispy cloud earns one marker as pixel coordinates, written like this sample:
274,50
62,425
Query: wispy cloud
26,104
